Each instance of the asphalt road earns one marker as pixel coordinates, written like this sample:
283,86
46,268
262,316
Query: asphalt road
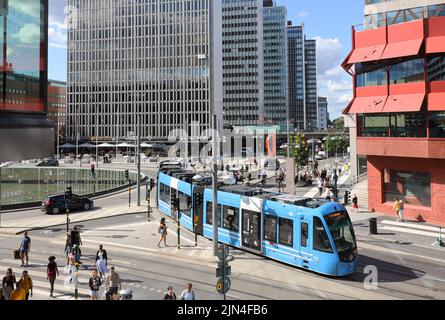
403,273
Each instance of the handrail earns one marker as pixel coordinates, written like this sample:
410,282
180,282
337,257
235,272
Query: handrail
359,178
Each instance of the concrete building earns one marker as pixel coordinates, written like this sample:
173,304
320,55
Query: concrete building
311,90
399,108
57,108
323,114
150,63
243,62
25,131
276,106
296,67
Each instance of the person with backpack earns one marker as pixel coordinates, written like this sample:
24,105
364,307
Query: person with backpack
188,294
68,247
170,295
26,284
162,230
355,203
52,273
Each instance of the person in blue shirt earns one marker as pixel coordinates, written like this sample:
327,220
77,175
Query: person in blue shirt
24,249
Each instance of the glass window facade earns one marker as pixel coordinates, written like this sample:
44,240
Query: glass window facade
436,68
436,10
373,125
23,55
370,74
403,125
410,187
437,124
407,71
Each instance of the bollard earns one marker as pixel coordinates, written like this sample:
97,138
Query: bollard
373,226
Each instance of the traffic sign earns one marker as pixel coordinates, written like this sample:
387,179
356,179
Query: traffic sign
219,272
223,252
223,289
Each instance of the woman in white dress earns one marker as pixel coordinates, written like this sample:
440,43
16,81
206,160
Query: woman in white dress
101,261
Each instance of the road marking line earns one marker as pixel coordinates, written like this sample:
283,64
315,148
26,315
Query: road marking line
411,225
205,254
417,232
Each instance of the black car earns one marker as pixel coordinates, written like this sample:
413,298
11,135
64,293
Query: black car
55,204
48,163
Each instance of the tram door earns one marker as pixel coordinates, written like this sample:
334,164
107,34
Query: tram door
251,230
305,243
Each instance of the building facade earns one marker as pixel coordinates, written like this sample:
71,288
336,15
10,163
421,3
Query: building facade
323,114
25,131
296,67
276,106
243,62
57,108
311,90
148,64
398,72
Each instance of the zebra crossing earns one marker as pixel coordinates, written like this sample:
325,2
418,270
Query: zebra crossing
314,192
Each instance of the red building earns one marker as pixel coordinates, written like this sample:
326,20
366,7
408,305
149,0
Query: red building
57,107
399,104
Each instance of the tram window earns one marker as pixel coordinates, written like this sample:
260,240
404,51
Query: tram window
209,217
185,203
304,234
321,240
230,218
286,232
164,193
270,229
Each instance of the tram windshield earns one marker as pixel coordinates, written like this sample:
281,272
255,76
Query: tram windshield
340,227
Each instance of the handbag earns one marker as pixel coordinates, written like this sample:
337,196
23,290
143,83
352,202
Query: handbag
16,254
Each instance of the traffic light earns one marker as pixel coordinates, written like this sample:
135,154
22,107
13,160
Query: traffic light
347,198
69,192
198,200
92,169
152,184
127,175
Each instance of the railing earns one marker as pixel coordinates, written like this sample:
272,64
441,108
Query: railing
359,178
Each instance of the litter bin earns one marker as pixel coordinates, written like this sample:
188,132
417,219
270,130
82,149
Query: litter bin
373,225
126,294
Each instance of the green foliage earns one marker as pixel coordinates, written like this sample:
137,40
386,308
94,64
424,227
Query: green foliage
149,152
339,123
299,149
337,144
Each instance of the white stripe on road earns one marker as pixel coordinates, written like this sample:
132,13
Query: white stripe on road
412,225
417,232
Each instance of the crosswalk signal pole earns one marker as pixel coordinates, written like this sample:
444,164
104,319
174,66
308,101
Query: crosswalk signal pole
76,282
129,193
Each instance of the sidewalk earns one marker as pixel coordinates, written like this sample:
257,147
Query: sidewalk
389,229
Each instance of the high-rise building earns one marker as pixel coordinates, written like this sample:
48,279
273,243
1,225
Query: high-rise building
302,79
57,108
399,107
296,67
275,65
311,91
323,114
25,131
243,62
146,63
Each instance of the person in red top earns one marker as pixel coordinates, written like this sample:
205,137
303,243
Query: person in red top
52,272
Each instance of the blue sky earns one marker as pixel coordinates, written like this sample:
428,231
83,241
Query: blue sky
326,20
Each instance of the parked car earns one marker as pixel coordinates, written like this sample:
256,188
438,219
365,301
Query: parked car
48,163
56,203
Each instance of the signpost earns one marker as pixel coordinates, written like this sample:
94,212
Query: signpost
223,271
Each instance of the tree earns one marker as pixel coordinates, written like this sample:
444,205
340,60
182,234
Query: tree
299,149
339,123
338,144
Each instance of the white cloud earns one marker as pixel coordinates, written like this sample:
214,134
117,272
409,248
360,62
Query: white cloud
333,82
57,30
303,14
28,34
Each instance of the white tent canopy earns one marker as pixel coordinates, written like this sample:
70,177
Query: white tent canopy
106,145
146,145
67,145
127,145
87,145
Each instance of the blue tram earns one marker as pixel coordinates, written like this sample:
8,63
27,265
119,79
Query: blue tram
312,234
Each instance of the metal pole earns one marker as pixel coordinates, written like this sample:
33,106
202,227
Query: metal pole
76,282
139,161
0,195
214,139
179,228
129,193
67,215
97,133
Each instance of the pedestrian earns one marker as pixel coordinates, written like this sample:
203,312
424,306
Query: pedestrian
52,273
68,247
71,264
170,295
402,211
94,284
396,208
8,283
24,249
26,283
320,186
75,238
355,203
2,296
188,294
162,230
76,252
101,261
113,284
